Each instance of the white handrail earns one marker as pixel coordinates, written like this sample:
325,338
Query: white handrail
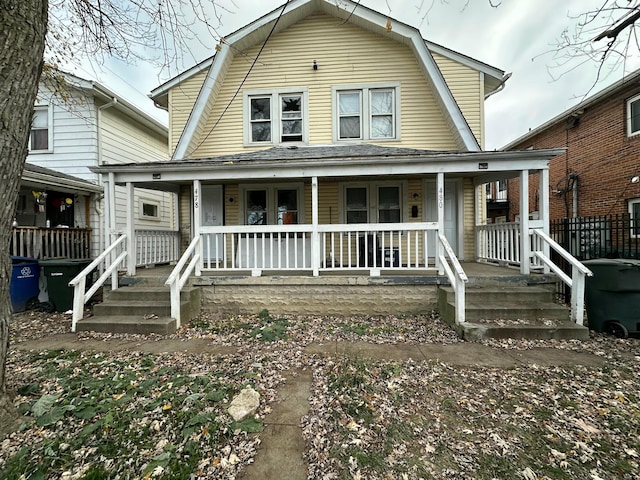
79,282
455,274
578,274
178,279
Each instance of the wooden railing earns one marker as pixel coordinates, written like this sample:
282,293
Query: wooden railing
109,261
456,275
180,276
41,243
499,243
374,247
155,247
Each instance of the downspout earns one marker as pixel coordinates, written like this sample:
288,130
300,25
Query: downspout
99,210
574,181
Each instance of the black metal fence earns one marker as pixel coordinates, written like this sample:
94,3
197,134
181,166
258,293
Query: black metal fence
610,236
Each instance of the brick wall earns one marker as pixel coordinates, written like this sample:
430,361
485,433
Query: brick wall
319,296
599,152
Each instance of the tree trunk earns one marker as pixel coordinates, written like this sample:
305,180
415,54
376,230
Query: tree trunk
23,28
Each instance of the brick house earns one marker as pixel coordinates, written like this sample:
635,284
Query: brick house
598,173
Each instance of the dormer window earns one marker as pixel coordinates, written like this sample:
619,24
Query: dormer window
366,113
276,117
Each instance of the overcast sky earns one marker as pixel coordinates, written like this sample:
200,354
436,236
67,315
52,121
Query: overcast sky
512,37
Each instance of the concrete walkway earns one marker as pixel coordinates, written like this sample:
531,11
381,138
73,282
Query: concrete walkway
282,444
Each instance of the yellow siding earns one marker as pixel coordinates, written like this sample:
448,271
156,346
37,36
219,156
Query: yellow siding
466,86
469,219
181,101
369,58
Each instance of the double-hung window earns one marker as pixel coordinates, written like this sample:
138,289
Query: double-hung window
633,116
275,117
366,113
373,203
39,139
274,205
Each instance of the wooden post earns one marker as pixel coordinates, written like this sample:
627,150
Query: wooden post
131,231
525,242
315,235
543,208
440,206
197,223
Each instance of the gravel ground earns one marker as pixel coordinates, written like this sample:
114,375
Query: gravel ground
395,420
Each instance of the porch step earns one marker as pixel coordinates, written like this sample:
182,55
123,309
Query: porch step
141,308
510,311
128,324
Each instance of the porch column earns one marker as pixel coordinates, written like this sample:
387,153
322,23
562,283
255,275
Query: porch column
110,224
197,223
315,235
131,231
440,200
543,209
525,243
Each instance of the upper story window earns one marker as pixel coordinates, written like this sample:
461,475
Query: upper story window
275,117
40,139
366,112
633,116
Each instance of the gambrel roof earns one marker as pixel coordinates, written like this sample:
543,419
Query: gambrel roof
347,11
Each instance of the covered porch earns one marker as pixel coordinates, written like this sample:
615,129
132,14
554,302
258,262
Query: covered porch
434,230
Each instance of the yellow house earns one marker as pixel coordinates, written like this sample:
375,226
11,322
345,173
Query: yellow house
326,138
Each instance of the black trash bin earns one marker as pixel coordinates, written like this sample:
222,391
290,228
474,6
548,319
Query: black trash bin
612,296
58,273
24,286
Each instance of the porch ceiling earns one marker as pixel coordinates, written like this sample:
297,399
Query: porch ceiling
329,162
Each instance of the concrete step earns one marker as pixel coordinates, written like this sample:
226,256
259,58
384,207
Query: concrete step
562,331
146,292
161,308
128,324
495,294
508,310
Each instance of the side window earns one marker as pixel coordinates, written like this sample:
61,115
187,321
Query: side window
149,210
633,116
39,138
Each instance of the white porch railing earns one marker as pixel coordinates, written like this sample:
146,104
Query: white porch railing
499,243
396,246
157,246
179,278
457,278
578,271
79,282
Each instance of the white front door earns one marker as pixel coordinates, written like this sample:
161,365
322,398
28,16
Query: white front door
212,216
450,212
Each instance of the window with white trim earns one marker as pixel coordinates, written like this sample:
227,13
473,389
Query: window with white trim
634,214
276,117
373,203
633,116
149,210
274,205
366,113
40,137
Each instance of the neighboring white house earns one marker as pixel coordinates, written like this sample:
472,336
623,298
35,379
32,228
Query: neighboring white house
79,124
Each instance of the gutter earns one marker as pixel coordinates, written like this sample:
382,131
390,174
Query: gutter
500,87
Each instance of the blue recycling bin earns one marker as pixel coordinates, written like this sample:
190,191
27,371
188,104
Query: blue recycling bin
24,285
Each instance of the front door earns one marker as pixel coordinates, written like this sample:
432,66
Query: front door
450,212
212,216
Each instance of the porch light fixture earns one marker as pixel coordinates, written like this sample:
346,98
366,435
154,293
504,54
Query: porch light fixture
155,176
415,196
635,179
315,65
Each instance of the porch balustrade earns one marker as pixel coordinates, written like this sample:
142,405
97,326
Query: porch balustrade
40,243
397,246
499,243
155,247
